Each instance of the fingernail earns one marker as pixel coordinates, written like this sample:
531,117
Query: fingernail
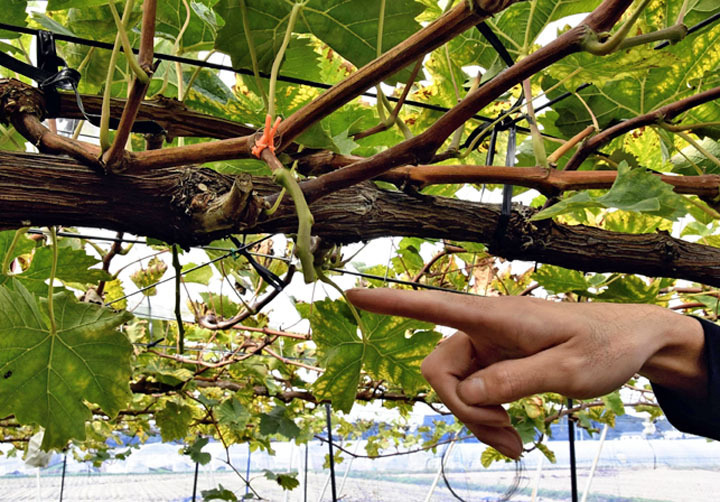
472,391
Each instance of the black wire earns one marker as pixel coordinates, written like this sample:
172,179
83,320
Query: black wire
328,416
490,36
400,281
573,462
217,66
260,255
193,269
445,479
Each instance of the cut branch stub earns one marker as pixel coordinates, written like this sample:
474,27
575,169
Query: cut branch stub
17,98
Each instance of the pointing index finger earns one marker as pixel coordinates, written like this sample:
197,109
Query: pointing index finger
447,309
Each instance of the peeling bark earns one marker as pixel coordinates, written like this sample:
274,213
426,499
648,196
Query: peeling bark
172,205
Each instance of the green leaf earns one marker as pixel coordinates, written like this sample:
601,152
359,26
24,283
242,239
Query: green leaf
277,422
549,454
633,190
68,4
48,376
286,481
73,265
560,280
219,493
201,27
173,420
384,351
614,403
220,304
201,275
22,246
517,26
10,139
634,223
689,161
630,289
491,455
349,27
13,13
195,451
629,83
231,413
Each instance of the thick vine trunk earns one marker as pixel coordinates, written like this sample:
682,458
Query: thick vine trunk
193,206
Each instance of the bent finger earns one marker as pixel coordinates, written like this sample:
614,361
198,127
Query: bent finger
504,439
445,368
513,379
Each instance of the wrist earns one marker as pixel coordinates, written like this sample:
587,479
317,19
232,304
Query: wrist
679,363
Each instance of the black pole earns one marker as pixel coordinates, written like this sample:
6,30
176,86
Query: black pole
62,480
573,464
330,449
197,468
307,446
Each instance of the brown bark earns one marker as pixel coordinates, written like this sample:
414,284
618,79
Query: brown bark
188,206
170,114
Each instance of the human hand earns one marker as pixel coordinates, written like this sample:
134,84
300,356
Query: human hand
512,347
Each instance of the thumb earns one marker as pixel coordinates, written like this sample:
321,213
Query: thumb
513,379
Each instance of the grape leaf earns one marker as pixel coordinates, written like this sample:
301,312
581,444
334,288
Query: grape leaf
46,376
277,422
348,26
517,27
232,413
72,265
13,13
219,493
195,451
628,83
633,190
384,351
286,481
201,28
560,280
173,420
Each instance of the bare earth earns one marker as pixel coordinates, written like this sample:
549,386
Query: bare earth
661,484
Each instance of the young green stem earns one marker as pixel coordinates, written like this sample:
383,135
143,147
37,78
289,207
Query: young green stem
253,53
104,134
699,147
281,54
673,34
284,177
53,272
537,140
127,47
8,254
593,45
176,51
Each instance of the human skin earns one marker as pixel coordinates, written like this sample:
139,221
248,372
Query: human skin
512,347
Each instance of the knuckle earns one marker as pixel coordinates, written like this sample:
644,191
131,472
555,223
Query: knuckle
429,369
503,384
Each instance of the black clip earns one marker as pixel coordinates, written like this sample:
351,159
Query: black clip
269,277
48,62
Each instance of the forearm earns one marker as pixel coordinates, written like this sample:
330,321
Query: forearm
688,389
680,363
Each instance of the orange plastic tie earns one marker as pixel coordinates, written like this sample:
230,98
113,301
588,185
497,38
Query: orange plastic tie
267,140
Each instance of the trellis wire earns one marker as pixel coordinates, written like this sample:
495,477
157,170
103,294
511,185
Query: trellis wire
216,66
